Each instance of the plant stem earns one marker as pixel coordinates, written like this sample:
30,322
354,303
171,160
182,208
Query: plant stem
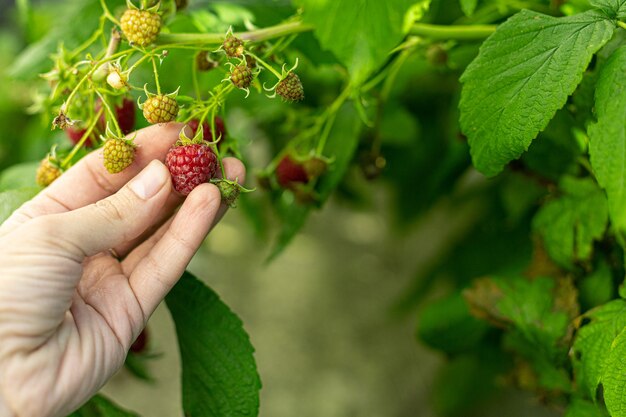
111,114
621,24
156,74
82,140
452,32
253,36
107,13
266,65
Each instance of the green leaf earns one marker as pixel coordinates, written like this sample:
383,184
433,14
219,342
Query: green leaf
468,6
447,325
100,406
571,223
220,377
523,74
593,343
607,137
19,176
597,288
538,311
614,377
11,200
583,408
360,35
613,8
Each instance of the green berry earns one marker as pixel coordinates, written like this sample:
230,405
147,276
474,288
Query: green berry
140,27
290,88
118,154
241,76
233,46
160,109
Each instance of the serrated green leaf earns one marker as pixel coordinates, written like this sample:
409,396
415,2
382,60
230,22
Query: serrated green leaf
538,311
360,35
219,378
593,343
468,6
613,8
607,137
571,223
523,74
11,200
100,406
583,408
447,325
614,377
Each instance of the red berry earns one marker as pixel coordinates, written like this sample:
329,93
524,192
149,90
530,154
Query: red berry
124,113
190,166
76,133
140,344
220,129
289,172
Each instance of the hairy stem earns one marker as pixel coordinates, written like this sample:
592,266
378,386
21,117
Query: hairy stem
452,32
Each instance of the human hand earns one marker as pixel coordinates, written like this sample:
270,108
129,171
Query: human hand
69,309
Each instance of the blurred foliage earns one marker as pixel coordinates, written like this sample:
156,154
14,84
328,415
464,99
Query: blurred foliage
523,295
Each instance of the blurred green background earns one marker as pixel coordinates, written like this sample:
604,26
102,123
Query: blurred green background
322,316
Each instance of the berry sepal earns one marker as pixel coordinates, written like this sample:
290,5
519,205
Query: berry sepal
230,190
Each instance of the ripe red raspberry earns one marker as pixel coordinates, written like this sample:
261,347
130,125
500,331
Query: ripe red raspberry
233,46
124,113
160,109
140,27
118,154
190,165
75,134
290,88
220,129
241,76
47,173
290,172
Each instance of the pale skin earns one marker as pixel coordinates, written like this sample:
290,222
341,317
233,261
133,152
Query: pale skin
69,309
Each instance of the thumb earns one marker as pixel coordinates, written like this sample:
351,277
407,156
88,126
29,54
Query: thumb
120,217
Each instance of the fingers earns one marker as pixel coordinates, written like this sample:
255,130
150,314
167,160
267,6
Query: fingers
234,170
88,181
118,218
160,269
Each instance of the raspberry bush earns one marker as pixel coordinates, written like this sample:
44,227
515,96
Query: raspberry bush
511,113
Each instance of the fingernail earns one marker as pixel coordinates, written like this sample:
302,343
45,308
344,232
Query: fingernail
149,181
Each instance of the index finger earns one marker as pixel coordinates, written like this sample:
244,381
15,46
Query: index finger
88,181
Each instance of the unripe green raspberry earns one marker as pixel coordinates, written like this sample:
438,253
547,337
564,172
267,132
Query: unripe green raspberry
140,27
118,154
47,173
233,47
160,109
241,76
290,88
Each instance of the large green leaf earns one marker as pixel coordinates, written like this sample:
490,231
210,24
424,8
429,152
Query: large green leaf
614,377
571,223
360,33
11,200
613,8
607,137
593,343
100,406
523,74
219,378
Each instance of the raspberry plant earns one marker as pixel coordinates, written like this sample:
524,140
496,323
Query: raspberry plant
529,294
